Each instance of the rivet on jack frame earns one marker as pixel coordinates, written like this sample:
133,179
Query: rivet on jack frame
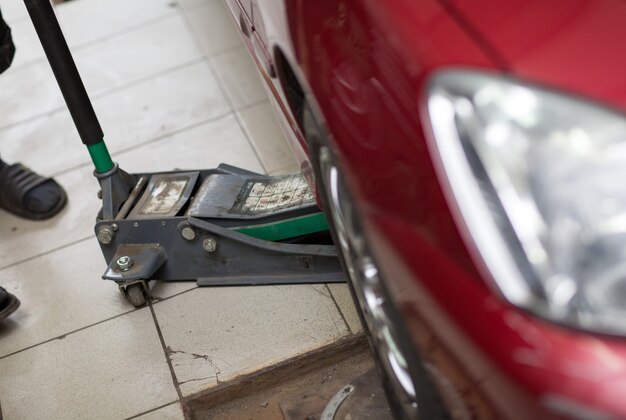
124,263
188,233
105,234
209,244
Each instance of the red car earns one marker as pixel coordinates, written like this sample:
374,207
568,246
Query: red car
471,157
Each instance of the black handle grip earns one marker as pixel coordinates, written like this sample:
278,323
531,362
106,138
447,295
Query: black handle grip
65,71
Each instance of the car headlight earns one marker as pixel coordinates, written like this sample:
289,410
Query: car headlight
539,181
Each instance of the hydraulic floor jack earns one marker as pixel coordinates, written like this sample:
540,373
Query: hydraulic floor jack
222,226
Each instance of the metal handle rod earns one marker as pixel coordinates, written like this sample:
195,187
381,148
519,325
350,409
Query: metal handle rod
70,83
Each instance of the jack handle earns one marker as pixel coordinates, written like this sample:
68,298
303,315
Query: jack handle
70,83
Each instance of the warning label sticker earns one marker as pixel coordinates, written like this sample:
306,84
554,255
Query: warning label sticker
264,196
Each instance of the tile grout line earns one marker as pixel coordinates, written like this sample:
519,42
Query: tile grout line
162,137
202,57
138,145
233,111
62,336
167,356
13,264
105,93
338,308
236,113
252,145
152,410
220,84
96,41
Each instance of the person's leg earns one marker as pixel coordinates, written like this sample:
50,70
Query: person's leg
7,49
23,192
8,303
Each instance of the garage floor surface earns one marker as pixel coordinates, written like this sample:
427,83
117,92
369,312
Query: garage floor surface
174,88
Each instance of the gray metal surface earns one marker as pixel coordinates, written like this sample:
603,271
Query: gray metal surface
116,186
237,259
137,189
206,249
165,195
266,276
250,196
143,260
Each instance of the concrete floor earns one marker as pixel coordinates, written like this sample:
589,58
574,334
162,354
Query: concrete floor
174,88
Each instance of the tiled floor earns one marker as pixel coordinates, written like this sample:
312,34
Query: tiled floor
174,88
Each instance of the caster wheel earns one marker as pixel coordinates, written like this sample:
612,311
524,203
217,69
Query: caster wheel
135,295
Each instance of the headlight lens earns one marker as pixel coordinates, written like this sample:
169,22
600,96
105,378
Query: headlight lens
539,180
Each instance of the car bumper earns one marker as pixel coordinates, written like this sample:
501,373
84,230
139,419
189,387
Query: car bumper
494,357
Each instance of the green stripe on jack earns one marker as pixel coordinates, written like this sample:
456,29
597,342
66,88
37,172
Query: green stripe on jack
289,228
100,157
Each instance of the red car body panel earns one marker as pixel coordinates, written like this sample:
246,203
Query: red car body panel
576,45
365,65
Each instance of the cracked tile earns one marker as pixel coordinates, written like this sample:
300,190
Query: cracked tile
223,332
112,370
166,110
205,368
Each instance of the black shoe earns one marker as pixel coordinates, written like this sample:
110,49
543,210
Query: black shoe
8,303
28,195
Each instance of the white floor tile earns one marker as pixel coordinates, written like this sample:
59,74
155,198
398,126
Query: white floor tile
22,239
342,296
240,78
290,168
31,90
220,333
61,292
214,27
163,289
26,92
143,112
259,122
161,106
137,54
194,3
169,412
205,146
112,370
158,113
86,21
28,47
13,10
